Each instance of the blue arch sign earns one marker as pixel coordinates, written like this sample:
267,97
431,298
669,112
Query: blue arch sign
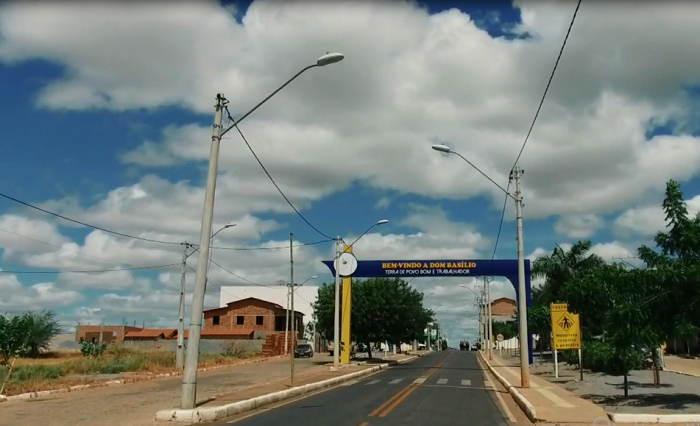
506,268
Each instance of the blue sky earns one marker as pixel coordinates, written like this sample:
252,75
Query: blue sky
589,169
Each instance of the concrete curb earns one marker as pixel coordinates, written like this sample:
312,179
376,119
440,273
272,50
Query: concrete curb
37,394
522,402
654,418
208,414
681,372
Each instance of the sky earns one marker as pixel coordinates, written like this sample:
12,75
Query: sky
107,111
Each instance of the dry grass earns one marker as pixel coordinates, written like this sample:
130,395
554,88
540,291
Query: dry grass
63,369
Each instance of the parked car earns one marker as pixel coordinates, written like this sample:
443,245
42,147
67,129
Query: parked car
303,350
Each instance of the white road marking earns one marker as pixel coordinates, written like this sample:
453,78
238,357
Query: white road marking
373,382
419,380
395,381
466,382
442,382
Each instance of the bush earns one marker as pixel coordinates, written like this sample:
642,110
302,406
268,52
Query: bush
601,357
27,334
92,349
233,350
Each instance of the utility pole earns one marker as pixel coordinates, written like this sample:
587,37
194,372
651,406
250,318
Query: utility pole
286,326
515,175
487,284
189,377
291,290
180,356
336,323
429,348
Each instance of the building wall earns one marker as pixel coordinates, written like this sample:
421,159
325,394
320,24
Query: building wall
503,308
110,333
305,296
249,311
205,345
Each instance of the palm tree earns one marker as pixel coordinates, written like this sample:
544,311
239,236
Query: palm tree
560,267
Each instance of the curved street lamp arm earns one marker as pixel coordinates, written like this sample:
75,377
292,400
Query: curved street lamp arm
267,98
363,234
484,174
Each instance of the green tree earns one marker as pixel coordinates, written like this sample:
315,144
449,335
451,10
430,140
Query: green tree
383,310
508,329
43,327
14,336
560,267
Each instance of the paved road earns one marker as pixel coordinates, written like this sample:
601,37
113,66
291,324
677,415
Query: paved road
445,388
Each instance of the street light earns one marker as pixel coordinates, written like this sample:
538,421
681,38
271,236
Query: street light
189,377
180,354
336,324
522,302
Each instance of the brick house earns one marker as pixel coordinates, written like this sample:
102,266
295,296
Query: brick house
109,333
248,316
503,309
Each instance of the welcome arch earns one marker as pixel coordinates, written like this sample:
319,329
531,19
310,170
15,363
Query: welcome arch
506,268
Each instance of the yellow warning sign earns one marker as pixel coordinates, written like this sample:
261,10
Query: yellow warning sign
566,328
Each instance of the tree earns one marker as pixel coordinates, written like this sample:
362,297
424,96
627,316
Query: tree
383,310
27,334
560,267
508,329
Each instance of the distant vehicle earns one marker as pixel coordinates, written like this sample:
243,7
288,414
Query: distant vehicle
303,350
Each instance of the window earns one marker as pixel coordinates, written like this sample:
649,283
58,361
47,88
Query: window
239,320
259,320
216,320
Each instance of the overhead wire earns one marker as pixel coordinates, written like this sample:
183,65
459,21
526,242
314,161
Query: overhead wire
122,234
273,180
532,126
86,271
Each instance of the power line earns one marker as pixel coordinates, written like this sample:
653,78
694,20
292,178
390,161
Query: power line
537,113
270,248
91,272
121,234
273,181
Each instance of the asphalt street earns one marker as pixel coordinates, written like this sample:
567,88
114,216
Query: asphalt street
443,388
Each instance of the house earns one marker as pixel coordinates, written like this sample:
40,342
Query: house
148,334
103,333
249,315
503,309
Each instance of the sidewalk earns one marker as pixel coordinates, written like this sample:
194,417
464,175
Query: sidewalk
686,366
134,404
545,401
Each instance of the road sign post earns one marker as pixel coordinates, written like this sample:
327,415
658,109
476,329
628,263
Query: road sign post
566,333
499,337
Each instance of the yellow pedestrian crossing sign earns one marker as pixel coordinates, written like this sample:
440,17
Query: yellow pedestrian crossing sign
566,328
566,323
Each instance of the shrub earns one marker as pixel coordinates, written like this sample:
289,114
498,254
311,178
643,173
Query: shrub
601,357
92,349
233,350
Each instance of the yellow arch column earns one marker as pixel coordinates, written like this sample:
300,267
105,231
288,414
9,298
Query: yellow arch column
345,312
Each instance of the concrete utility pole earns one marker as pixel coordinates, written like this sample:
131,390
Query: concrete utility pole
487,284
189,377
180,356
515,175
336,323
294,319
286,326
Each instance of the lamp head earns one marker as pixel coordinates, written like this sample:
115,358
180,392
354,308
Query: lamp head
383,221
313,277
442,148
329,58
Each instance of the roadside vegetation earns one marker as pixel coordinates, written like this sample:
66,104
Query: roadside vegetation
27,365
627,312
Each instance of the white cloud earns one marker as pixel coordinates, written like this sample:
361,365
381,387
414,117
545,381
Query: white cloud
578,225
16,297
647,221
407,91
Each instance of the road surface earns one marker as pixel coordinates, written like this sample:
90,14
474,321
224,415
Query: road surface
443,388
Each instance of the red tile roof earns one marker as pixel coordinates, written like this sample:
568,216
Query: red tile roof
151,333
274,305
